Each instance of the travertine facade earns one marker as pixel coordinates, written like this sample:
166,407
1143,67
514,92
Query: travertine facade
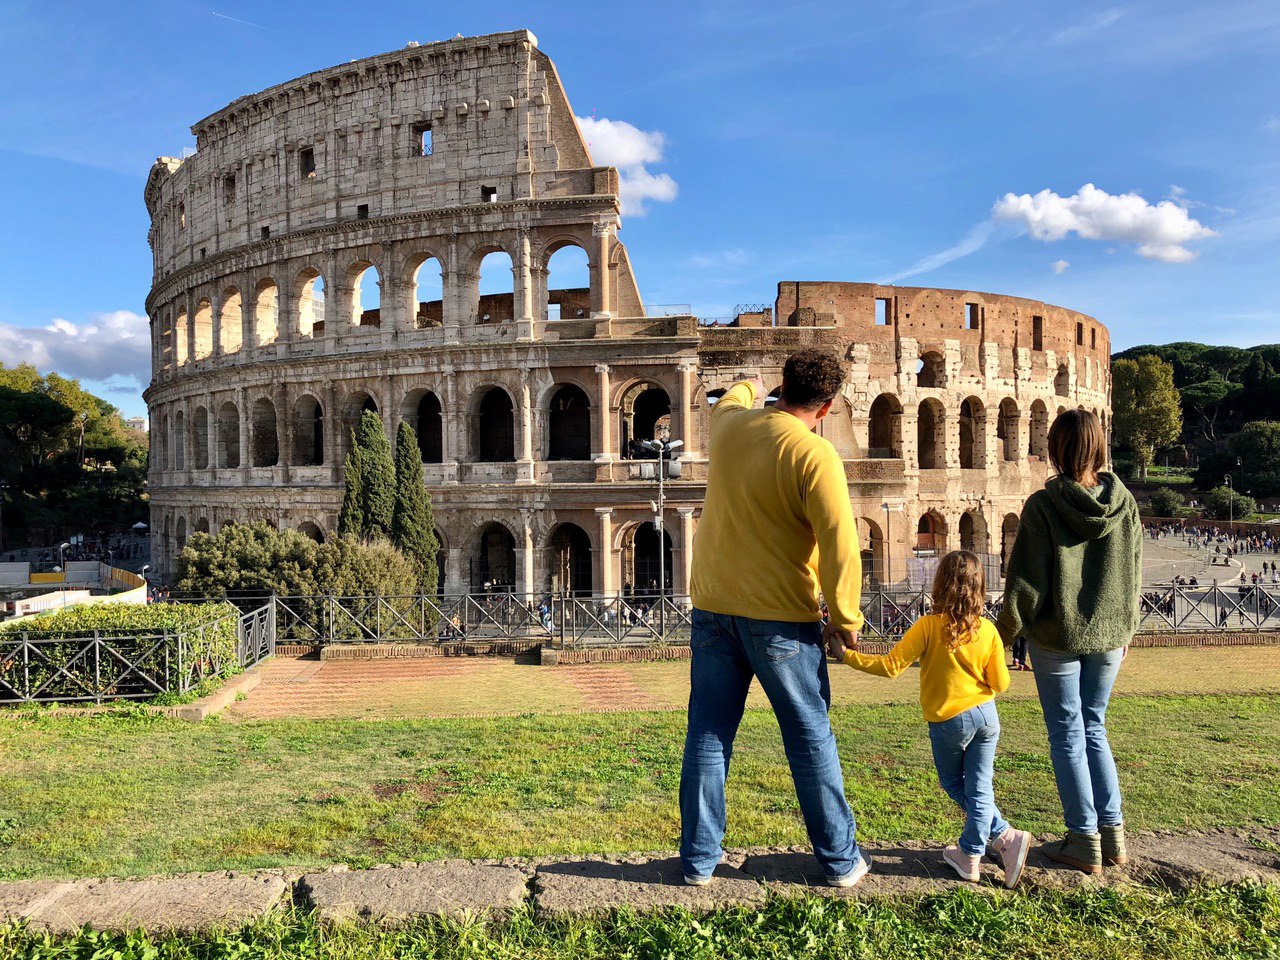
407,170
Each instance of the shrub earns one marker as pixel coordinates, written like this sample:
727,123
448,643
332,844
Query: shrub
1166,502
1223,503
249,560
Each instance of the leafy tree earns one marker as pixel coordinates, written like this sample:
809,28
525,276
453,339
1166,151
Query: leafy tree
1207,398
412,523
1146,407
368,499
1223,503
1166,502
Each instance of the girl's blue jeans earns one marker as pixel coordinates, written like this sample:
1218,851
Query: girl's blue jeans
964,753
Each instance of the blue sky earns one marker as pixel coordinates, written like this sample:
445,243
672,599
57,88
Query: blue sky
852,141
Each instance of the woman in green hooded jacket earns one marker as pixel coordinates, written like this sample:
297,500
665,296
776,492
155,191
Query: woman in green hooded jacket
1072,587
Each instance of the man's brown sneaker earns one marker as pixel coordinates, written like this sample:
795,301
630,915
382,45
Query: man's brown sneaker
1114,853
1080,850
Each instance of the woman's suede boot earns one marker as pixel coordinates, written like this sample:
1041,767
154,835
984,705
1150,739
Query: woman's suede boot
1080,850
1114,853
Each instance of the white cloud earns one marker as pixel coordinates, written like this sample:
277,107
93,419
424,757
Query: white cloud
616,143
1095,24
111,347
1058,266
1272,125
1160,230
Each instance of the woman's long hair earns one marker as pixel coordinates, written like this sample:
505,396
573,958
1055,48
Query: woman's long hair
959,595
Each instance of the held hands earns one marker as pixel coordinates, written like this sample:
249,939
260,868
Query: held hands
838,641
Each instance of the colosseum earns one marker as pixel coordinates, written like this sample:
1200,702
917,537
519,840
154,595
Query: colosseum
321,253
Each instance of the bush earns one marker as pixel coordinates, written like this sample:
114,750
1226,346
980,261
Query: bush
1166,502
209,648
1223,503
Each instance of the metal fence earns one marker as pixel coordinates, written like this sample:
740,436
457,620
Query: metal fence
571,622
44,667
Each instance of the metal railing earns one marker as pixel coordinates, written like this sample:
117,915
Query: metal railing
37,666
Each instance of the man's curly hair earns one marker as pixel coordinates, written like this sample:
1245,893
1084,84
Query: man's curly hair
811,378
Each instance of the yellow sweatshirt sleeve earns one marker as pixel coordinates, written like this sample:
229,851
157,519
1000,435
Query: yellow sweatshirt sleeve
997,672
904,653
830,515
742,395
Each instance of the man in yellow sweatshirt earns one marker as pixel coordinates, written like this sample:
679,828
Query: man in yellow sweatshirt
776,533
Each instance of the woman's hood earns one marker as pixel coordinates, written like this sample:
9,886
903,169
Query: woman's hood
1089,516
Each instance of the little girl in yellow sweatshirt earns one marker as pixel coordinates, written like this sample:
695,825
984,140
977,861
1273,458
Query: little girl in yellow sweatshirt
962,668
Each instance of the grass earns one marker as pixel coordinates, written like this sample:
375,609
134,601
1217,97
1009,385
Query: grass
1223,924
132,795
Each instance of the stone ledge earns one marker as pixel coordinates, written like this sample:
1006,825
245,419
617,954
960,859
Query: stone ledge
446,888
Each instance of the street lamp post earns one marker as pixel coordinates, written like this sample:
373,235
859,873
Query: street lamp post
4,485
664,449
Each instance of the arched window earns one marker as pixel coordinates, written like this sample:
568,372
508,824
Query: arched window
180,337
1038,445
353,408
366,295
1008,424
931,371
647,565
430,428
311,294
1008,533
308,432
973,532
646,415
228,448
884,428
181,540
202,525
569,425
569,561
200,439
774,396
311,531
873,555
973,440
931,534
1062,382
266,448
266,312
428,294
497,289
179,441
931,436
203,329
714,395
231,321
568,284
493,568
495,428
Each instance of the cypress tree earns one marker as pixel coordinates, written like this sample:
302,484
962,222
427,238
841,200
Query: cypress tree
369,493
413,527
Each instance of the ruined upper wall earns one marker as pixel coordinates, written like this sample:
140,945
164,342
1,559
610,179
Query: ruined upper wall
346,143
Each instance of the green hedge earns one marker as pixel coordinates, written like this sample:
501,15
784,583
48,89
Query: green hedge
206,631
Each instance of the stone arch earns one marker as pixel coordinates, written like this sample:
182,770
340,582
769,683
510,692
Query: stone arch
202,525
494,561
973,532
203,330
180,536
1038,442
884,428
421,409
353,408
931,533
200,438
180,328
931,427
872,541
365,282
180,440
973,434
568,279
266,312
568,561
837,428
230,321
228,444
1007,429
1062,381
569,424
645,412
641,567
931,370
1008,534
308,431
309,295
495,285
494,426
264,439
311,530
424,273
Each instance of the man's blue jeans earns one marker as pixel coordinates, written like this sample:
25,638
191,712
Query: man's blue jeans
964,753
790,661
1074,692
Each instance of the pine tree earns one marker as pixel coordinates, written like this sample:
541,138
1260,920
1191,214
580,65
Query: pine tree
369,494
412,524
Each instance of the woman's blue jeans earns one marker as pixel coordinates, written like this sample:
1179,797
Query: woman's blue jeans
790,661
1074,691
964,753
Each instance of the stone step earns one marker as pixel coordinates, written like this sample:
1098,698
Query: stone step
446,888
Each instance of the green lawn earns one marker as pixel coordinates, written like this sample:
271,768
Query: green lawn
127,796
1220,924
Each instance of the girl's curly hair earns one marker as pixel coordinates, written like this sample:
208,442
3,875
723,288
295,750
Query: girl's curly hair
959,594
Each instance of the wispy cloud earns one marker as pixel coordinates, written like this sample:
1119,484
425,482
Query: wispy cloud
1059,266
1096,24
1272,125
971,242
111,347
247,23
720,259
616,143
